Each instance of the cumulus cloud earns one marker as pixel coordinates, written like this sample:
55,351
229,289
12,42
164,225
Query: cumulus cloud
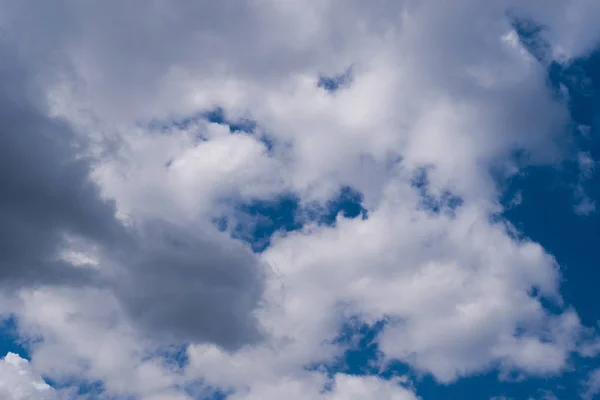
109,243
58,228
18,381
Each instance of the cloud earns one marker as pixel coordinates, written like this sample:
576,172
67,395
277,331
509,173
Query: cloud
46,191
428,274
127,231
81,335
58,229
592,384
343,387
584,204
186,285
19,382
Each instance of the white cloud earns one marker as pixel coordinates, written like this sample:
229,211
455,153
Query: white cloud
85,338
18,381
457,288
343,387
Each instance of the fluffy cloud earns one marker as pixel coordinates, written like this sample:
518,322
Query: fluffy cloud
110,245
86,339
19,382
58,228
455,289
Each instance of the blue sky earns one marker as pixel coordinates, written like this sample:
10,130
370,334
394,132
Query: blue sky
317,201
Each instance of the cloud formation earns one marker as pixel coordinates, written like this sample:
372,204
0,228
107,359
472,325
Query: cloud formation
19,382
112,178
58,229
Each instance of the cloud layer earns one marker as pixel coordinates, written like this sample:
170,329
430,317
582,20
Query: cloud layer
113,176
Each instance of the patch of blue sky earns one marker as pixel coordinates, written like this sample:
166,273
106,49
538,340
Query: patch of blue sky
217,115
258,220
174,357
238,126
335,82
199,390
531,36
84,389
10,342
255,222
445,202
546,215
348,203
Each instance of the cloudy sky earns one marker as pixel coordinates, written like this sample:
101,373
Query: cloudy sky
299,199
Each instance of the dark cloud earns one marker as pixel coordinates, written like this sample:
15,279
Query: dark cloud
175,284
185,285
45,191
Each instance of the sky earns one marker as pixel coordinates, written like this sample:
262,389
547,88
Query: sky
321,200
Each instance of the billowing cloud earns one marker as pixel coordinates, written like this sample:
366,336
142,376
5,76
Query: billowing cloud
113,176
19,382
58,229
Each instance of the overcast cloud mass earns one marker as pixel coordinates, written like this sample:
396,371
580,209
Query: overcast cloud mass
177,182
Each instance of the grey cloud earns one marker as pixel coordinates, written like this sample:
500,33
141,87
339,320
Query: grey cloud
172,283
185,285
45,191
